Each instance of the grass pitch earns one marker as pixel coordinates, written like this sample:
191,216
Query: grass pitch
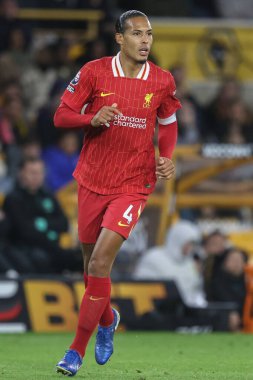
137,356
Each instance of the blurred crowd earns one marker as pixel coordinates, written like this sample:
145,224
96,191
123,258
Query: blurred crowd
207,269
36,160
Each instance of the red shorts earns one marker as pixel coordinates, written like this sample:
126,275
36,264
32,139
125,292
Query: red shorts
117,212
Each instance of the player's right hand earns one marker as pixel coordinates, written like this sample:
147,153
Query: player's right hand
105,115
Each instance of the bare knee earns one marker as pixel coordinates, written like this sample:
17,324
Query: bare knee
104,253
99,267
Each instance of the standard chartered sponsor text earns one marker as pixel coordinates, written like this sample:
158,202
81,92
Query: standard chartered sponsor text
129,121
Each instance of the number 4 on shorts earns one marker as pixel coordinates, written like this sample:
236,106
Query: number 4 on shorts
127,215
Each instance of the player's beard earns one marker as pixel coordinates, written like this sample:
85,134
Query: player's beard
143,61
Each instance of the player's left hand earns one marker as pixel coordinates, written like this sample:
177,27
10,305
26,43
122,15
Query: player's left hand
165,168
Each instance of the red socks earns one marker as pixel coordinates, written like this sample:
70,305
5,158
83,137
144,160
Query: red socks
107,316
95,300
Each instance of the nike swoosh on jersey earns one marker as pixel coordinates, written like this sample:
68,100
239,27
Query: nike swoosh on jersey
106,94
122,224
96,298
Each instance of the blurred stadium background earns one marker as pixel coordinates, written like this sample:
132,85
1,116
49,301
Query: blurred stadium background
208,48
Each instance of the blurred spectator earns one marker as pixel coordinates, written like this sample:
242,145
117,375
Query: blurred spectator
38,79
130,252
217,113
61,159
13,116
214,246
228,284
61,59
233,123
31,148
238,129
215,243
14,128
180,76
9,22
9,71
95,49
10,90
36,222
188,132
44,127
92,50
11,159
190,115
175,261
18,47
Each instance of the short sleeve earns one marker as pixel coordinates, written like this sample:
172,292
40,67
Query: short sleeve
80,89
170,104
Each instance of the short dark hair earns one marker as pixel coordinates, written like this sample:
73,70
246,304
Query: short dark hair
215,232
121,21
229,250
29,160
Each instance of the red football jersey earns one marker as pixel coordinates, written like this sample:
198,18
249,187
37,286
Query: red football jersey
121,157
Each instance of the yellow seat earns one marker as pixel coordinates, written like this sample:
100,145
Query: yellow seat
67,197
243,240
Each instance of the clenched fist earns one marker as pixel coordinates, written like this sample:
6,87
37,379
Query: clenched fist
165,168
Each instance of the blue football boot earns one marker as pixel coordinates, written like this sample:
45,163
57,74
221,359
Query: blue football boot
70,363
104,340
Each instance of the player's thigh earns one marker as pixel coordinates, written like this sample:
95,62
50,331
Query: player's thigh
91,209
105,252
87,250
123,213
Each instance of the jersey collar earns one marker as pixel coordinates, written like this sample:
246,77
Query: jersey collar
118,71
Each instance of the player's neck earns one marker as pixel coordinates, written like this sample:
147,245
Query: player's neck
130,68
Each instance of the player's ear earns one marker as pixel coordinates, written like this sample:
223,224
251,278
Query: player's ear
119,38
